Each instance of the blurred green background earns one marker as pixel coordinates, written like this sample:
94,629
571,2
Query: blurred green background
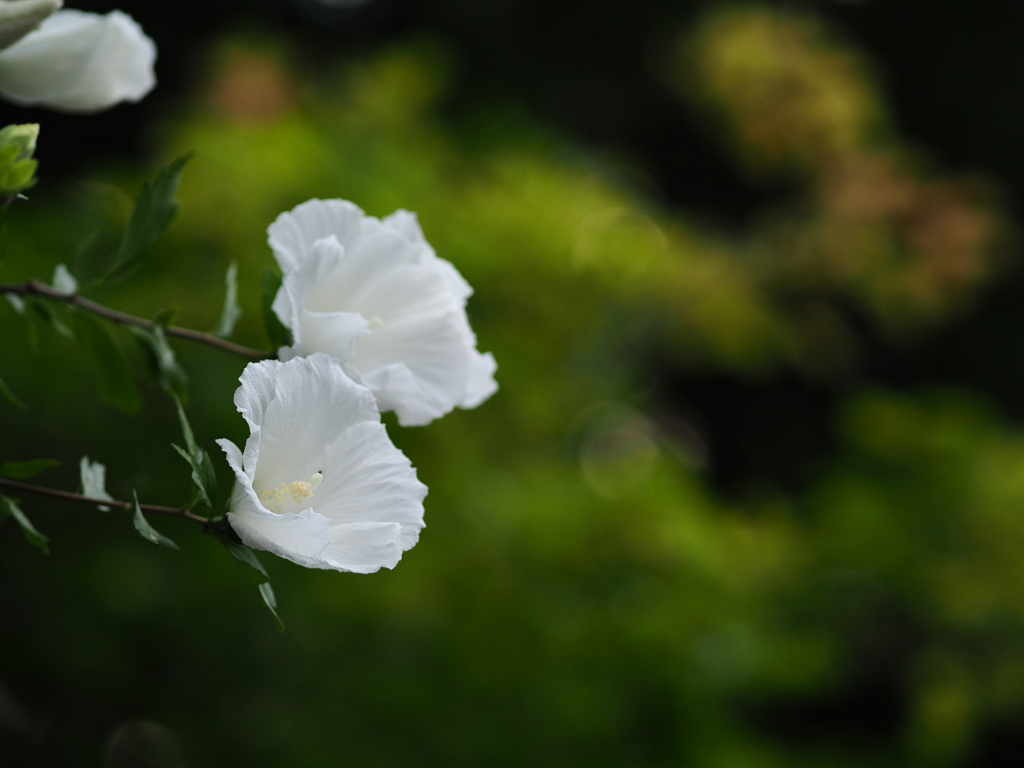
752,490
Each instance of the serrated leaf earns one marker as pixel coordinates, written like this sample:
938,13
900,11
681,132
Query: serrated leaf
231,312
9,395
34,537
94,481
278,334
19,470
148,531
169,373
154,208
115,377
204,476
63,280
198,476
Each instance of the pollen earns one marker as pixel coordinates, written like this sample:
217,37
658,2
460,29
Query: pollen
288,494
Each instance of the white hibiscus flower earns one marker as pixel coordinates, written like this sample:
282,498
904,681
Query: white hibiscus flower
72,60
319,482
375,295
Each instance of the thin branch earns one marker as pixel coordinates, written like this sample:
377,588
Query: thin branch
36,288
77,498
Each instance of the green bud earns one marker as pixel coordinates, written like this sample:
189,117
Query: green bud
22,136
17,167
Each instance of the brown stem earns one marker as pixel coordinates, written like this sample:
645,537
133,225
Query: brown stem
77,498
36,288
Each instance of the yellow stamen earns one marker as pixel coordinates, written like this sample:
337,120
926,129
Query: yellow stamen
275,499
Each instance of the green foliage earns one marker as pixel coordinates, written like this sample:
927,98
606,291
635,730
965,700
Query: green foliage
204,477
164,362
232,311
10,508
146,530
115,377
154,208
257,574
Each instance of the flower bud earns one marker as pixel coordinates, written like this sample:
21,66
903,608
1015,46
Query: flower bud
17,166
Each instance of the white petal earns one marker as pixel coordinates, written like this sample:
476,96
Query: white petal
314,402
372,250
363,547
257,390
481,384
334,333
370,480
19,17
435,351
407,290
301,538
79,62
293,233
303,291
408,224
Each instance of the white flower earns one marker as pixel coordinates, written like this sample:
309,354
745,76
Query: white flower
375,295
320,483
72,60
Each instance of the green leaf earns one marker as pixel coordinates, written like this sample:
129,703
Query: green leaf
257,573
169,373
9,395
34,537
154,208
279,335
94,481
19,470
148,531
115,378
199,472
231,312
246,556
270,600
17,303
204,476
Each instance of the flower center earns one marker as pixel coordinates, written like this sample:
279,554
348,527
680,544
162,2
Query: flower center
284,495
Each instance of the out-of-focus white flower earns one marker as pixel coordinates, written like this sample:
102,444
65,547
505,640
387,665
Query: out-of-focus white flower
320,483
375,295
72,60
